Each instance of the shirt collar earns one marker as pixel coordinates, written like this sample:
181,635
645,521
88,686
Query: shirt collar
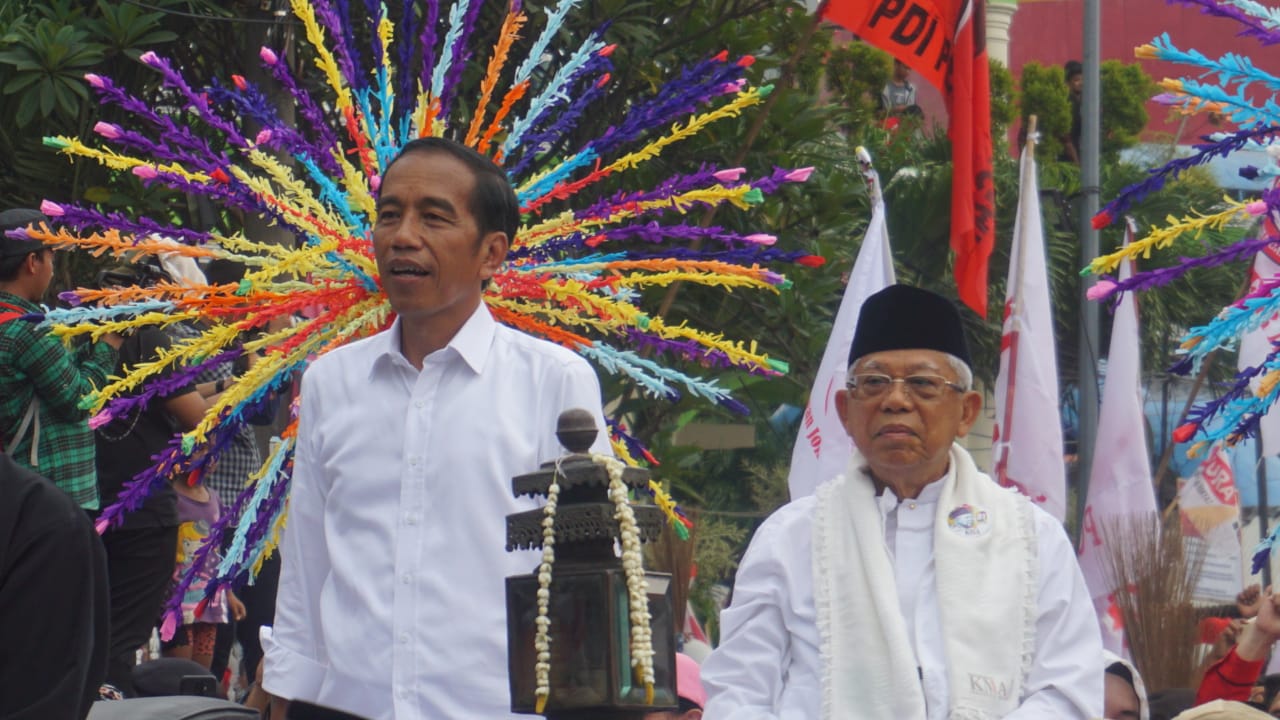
21,302
471,342
929,494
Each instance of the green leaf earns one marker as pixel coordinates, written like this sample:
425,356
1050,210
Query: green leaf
66,99
21,82
47,98
157,37
27,107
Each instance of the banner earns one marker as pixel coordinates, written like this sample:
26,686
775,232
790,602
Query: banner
1027,439
822,446
945,42
1120,481
1210,510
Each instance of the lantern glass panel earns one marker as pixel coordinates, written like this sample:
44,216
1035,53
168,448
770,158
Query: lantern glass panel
579,614
661,626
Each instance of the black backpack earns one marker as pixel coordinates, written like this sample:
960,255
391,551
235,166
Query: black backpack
177,707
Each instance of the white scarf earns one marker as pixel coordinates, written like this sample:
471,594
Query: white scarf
985,556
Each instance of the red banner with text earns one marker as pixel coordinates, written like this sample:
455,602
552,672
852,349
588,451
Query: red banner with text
945,42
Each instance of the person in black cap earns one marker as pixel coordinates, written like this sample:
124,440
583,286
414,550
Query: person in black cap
42,425
911,586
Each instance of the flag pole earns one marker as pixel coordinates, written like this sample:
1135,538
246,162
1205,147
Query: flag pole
822,446
1260,472
1090,135
1016,264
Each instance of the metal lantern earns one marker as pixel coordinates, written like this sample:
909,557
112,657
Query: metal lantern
591,673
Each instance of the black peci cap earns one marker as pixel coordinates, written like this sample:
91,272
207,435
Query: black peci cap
901,317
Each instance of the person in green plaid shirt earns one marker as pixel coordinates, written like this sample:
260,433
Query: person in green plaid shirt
41,382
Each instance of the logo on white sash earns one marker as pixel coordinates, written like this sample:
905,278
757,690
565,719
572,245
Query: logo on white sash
969,520
985,686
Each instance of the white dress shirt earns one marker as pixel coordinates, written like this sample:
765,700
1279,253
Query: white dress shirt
392,593
768,663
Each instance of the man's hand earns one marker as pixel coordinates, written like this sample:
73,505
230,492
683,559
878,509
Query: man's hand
1249,600
1261,633
1268,620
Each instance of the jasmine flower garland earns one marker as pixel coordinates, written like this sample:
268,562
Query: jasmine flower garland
633,567
542,638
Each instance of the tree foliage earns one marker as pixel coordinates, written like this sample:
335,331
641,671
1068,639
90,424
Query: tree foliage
1124,89
1045,95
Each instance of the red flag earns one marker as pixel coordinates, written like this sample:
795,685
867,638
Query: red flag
945,41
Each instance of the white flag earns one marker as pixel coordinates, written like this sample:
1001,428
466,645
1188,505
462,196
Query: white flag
822,446
1027,438
1256,345
1120,481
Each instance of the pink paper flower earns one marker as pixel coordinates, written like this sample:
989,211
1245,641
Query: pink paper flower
107,130
799,174
1100,289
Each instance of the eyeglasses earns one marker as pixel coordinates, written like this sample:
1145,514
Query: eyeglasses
868,386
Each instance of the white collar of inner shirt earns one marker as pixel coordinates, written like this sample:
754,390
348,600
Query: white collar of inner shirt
471,343
887,502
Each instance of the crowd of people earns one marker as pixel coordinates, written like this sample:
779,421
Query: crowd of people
121,580
911,586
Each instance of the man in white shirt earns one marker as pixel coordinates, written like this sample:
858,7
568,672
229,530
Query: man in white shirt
912,587
391,600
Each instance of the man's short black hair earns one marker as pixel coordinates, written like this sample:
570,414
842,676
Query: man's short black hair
1121,671
1073,68
9,267
493,201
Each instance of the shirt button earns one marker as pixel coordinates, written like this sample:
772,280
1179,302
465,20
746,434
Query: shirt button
403,693
911,506
413,460
404,640
406,578
411,519
420,404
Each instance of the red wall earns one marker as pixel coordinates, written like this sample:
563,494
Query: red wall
1049,32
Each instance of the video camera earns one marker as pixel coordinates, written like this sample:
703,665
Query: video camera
142,274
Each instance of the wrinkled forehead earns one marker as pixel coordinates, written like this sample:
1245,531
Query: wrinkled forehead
905,362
